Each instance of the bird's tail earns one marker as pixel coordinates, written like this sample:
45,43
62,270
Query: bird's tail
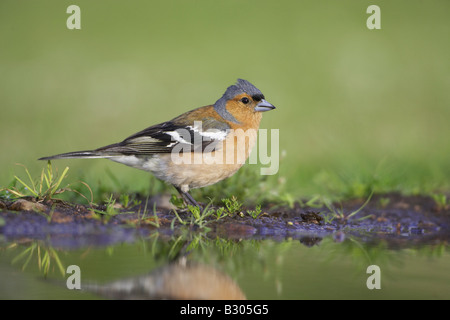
89,154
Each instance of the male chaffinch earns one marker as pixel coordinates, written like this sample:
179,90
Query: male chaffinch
196,149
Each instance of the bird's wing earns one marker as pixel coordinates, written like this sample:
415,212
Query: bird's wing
199,136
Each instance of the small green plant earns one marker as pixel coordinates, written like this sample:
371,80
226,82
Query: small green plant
145,210
46,187
440,200
177,202
232,205
383,202
154,221
195,211
255,213
143,219
125,199
129,200
198,216
110,206
109,211
341,216
220,213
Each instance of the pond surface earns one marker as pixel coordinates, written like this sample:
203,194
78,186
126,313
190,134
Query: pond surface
194,266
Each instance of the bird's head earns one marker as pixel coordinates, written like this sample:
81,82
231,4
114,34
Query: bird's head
242,99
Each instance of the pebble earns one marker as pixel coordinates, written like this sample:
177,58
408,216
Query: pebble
25,205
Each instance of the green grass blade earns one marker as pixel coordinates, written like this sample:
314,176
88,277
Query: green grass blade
362,207
31,179
22,254
26,186
49,171
29,257
58,262
179,219
58,183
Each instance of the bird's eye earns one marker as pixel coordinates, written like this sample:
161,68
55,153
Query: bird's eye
245,100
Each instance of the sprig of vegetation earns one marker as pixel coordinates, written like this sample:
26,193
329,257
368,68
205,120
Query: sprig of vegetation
197,216
341,216
383,202
220,213
110,209
46,187
232,205
177,201
255,213
151,220
440,200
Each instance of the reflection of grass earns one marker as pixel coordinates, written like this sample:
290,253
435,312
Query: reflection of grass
46,257
258,266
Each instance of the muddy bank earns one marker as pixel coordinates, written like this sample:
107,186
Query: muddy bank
400,221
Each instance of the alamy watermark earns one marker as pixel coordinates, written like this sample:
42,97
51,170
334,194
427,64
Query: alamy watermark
74,20
374,280
74,280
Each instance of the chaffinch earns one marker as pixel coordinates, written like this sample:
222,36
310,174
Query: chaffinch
196,149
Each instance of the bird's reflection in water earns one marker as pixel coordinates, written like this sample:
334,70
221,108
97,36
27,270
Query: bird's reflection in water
177,281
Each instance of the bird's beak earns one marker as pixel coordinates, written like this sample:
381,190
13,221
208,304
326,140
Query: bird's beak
264,106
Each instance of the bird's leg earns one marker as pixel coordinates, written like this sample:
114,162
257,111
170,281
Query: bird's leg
188,199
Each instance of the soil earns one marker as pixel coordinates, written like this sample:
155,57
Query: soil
400,221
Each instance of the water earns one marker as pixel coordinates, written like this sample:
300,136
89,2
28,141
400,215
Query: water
160,266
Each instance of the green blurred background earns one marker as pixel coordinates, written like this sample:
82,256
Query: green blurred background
355,107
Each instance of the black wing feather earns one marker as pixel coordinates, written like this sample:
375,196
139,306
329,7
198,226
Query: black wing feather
159,139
